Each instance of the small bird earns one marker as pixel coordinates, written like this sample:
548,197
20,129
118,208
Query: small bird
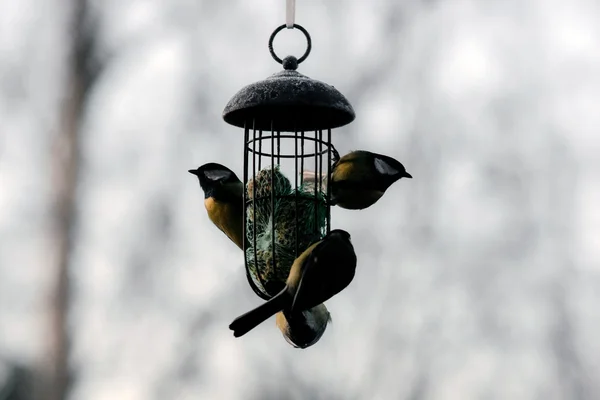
323,270
303,329
360,178
223,199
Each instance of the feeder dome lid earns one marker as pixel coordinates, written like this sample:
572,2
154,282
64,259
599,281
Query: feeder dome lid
290,101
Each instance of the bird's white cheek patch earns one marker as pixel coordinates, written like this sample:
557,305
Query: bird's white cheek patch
216,175
384,168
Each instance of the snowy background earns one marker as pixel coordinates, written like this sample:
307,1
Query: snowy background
477,279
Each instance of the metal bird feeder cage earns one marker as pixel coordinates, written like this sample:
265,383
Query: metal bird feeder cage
287,121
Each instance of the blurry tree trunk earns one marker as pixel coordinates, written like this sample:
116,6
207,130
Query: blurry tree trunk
65,170
572,378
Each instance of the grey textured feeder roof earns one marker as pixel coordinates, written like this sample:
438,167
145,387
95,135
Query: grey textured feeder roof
292,101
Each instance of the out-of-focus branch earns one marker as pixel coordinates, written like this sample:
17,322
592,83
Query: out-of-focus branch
65,169
572,378
17,384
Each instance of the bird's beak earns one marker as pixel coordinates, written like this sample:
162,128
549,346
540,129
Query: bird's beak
407,175
193,171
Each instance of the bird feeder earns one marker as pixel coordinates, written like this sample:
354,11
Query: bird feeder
287,121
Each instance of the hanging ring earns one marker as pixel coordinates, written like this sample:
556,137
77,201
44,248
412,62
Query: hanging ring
301,29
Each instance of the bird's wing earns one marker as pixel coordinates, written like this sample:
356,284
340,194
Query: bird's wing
308,296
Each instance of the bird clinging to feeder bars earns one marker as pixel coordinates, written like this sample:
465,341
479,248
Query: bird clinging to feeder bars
360,178
223,199
319,273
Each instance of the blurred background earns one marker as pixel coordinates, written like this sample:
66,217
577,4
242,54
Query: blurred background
477,279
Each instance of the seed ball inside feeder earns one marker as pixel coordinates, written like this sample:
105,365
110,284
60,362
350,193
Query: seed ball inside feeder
311,217
262,193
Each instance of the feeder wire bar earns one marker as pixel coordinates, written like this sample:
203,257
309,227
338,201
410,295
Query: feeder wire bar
328,180
278,148
273,197
245,215
320,161
246,134
254,195
302,159
260,137
296,191
316,188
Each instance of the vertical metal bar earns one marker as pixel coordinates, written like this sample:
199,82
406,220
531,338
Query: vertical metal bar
246,134
320,163
278,147
320,160
296,190
259,148
302,159
254,221
316,188
245,206
328,180
273,216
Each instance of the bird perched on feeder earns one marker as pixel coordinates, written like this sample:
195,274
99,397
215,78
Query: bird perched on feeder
323,270
303,329
360,178
223,199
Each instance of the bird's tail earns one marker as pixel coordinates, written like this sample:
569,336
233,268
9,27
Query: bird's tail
246,322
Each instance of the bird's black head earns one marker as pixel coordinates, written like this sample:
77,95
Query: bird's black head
341,248
390,168
340,234
212,176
